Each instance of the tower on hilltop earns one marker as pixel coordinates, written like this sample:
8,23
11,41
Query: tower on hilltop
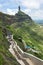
19,8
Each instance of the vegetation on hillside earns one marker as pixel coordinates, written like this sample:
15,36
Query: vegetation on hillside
22,27
30,32
6,57
32,38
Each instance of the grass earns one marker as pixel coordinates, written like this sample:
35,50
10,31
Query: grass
21,26
30,36
6,57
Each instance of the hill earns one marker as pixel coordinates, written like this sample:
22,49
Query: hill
9,19
5,56
22,26
32,33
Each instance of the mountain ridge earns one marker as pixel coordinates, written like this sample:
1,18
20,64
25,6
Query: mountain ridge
9,19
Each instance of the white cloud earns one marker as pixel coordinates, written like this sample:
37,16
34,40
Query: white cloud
33,8
32,4
37,14
40,1
11,11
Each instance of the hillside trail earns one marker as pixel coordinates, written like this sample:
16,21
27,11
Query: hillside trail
20,55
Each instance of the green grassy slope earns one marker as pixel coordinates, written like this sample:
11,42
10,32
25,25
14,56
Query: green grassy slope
32,33
22,26
5,56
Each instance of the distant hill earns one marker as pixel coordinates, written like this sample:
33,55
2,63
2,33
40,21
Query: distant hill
39,22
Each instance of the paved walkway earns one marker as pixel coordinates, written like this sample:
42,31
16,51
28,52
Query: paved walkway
21,57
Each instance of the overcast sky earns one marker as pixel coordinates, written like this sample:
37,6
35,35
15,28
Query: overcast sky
34,8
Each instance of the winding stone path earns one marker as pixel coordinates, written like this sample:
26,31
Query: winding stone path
22,57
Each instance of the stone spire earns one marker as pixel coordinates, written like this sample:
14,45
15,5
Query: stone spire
18,8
